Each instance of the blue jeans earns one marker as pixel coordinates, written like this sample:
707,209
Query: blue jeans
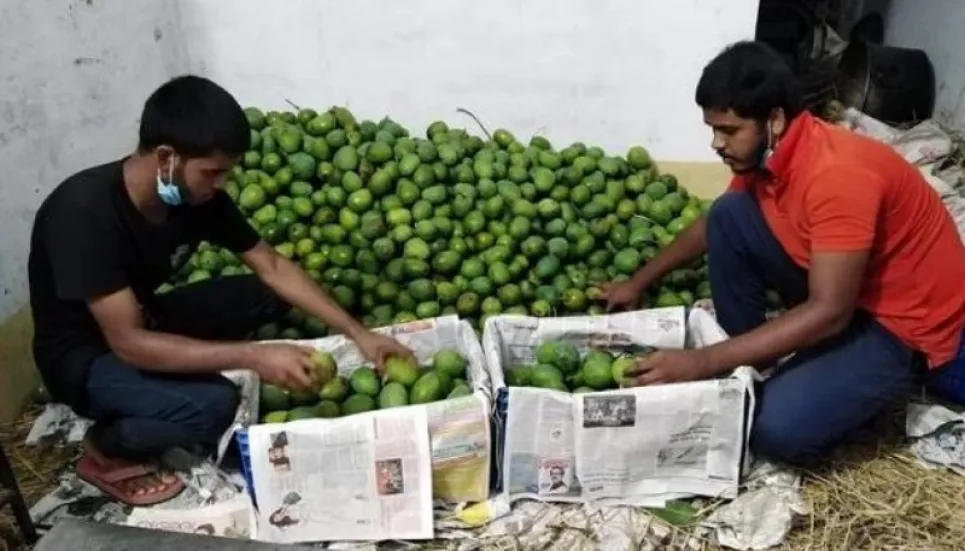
823,393
139,414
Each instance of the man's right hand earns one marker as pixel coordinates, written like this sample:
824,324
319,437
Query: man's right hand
285,365
623,295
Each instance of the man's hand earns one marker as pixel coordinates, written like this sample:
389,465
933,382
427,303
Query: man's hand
378,347
670,366
286,365
624,295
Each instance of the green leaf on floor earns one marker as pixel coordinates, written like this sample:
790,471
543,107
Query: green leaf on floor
675,513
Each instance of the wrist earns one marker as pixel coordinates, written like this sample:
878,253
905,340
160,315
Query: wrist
354,331
641,280
709,362
244,355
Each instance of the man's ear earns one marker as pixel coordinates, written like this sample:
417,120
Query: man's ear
164,155
777,121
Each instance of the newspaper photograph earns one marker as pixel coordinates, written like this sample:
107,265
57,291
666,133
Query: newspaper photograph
628,445
540,461
363,477
459,435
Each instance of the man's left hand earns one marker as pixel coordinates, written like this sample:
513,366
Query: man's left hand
376,348
670,366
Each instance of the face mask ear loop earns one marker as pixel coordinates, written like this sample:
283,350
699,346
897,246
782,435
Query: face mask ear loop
769,150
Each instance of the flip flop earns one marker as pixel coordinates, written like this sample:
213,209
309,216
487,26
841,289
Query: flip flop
109,481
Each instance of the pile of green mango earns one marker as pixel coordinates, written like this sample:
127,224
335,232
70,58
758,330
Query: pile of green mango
559,366
403,383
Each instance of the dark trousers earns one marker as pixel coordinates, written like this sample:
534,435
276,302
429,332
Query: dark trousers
140,414
824,392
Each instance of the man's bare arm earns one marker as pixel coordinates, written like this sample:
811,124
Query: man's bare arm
295,287
834,280
119,317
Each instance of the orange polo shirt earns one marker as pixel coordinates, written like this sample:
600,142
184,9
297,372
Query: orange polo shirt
832,190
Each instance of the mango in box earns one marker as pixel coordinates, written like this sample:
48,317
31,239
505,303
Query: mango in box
563,355
364,381
459,390
393,394
428,388
450,362
358,403
327,409
597,370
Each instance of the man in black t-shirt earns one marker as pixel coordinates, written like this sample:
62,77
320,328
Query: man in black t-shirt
146,367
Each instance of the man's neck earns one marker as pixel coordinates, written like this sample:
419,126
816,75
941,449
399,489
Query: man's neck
140,180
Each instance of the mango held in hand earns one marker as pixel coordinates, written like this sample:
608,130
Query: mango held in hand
335,390
403,370
325,368
620,368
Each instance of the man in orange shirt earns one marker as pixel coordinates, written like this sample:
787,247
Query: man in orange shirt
855,241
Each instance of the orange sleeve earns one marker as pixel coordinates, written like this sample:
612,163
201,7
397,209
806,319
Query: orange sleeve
841,207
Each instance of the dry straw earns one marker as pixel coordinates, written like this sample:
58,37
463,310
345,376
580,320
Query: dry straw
872,496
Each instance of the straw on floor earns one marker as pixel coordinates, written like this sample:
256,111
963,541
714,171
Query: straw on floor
873,495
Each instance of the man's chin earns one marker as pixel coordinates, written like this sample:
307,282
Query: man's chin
738,168
197,201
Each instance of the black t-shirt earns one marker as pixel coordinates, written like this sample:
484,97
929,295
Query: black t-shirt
89,240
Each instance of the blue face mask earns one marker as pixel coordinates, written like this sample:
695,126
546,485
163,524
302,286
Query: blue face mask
168,192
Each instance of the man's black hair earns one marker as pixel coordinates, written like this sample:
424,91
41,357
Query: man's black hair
196,117
751,79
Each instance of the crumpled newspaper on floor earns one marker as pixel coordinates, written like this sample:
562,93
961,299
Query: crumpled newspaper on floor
57,425
938,435
525,525
762,515
74,498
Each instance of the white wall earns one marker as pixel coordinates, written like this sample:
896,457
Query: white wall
612,73
935,26
74,77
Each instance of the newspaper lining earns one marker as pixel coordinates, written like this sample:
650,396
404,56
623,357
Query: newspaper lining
440,450
620,446
459,430
363,477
